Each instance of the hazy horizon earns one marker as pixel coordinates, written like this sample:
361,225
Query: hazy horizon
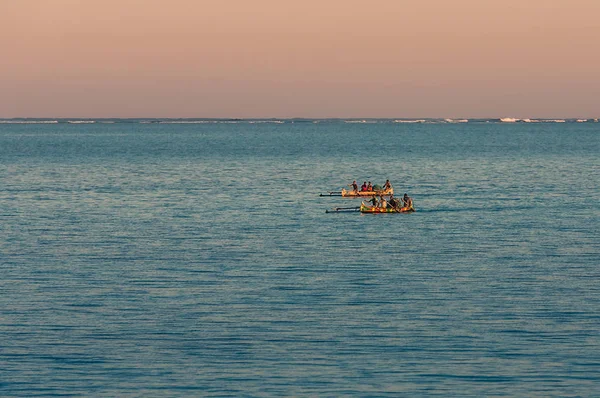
311,59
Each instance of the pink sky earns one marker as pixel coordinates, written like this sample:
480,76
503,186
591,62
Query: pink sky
309,58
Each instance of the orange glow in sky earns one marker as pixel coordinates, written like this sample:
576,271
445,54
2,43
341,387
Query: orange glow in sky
309,58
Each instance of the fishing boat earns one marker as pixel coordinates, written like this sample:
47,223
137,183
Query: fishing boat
350,193
372,209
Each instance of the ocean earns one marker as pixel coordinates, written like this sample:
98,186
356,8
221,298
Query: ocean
147,257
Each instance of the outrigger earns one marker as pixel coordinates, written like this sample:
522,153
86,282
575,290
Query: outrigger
343,209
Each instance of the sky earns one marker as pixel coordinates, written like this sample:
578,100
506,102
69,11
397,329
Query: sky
300,58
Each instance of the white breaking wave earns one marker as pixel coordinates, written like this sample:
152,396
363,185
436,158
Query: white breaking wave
81,121
410,121
360,121
456,120
527,120
542,120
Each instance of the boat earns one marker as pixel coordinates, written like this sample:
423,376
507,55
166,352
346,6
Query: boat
380,192
349,193
372,209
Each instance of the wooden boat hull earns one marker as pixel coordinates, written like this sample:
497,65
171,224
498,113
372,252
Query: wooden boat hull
352,194
370,209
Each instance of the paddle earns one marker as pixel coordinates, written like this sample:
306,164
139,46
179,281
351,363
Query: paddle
397,205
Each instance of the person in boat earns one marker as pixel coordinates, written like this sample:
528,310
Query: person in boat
387,186
363,188
354,186
369,187
373,201
382,202
407,202
395,203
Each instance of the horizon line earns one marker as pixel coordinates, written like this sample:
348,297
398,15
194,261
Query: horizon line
296,118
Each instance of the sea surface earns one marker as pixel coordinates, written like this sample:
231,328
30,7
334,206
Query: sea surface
196,258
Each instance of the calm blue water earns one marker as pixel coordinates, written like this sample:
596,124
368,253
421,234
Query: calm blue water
198,260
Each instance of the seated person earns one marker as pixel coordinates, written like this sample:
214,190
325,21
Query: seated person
363,188
382,202
394,202
387,185
407,201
